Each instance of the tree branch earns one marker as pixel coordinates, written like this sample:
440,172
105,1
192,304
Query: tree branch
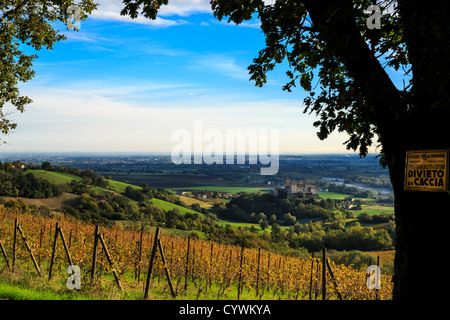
338,29
14,10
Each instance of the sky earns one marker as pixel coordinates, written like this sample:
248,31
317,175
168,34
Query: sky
126,85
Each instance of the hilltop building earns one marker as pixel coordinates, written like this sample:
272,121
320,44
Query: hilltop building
296,189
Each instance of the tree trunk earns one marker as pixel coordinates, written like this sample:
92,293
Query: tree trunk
422,218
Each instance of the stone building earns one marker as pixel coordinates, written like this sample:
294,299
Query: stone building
296,189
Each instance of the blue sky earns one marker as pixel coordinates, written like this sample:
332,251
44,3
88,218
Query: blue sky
125,85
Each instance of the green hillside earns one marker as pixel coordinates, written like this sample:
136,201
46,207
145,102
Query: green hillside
231,190
117,186
170,206
55,177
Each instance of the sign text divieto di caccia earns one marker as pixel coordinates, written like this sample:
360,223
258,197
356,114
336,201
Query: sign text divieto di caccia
427,170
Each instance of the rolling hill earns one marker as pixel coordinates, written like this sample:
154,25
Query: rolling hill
69,199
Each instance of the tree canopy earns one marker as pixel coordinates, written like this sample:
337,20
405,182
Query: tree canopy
27,24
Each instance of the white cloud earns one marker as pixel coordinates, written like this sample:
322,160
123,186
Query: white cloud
82,119
115,15
110,10
186,7
222,64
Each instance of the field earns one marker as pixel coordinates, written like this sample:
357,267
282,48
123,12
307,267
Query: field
236,224
119,186
167,181
190,201
333,195
170,206
375,209
231,190
198,269
66,199
54,177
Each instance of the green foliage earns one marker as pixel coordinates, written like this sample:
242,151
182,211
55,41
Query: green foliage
15,182
323,39
27,23
355,258
354,238
240,208
357,193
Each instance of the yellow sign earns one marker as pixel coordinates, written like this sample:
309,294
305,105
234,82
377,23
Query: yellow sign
427,170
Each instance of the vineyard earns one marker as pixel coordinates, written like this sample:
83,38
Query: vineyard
179,267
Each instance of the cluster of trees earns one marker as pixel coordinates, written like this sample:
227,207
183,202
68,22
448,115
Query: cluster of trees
311,237
14,182
106,206
327,227
376,218
357,193
141,195
133,204
314,237
94,206
88,176
182,221
243,208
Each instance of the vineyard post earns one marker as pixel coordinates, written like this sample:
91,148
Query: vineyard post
70,238
69,259
53,251
161,250
94,255
193,265
41,235
111,264
150,266
4,254
171,254
29,250
366,274
240,270
311,281
316,285
187,264
334,280
257,272
268,272
324,274
140,255
14,243
210,267
378,266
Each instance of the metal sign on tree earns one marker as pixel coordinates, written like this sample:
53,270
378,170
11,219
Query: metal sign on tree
427,170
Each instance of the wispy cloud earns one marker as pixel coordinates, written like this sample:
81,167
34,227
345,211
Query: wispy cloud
93,116
115,16
186,7
110,10
223,64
